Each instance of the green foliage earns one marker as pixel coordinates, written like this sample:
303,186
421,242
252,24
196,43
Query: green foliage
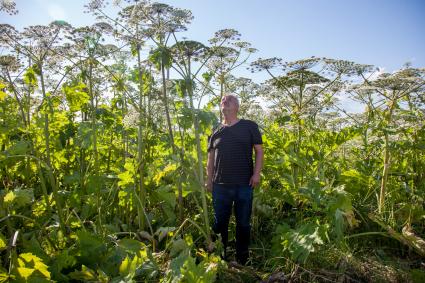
92,250
161,57
65,260
128,267
76,96
88,275
19,148
183,267
30,77
181,88
30,268
207,119
207,76
3,242
3,94
100,187
205,271
185,117
340,211
18,198
418,275
4,276
127,177
302,241
355,181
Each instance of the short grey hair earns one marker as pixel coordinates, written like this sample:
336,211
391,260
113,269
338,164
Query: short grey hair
234,97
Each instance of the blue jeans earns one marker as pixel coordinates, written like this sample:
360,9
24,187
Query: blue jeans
224,196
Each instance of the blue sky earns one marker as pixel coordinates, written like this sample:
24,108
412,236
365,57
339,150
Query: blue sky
384,33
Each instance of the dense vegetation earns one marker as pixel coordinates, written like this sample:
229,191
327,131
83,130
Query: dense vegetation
103,145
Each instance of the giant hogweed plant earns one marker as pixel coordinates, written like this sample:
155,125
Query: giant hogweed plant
106,207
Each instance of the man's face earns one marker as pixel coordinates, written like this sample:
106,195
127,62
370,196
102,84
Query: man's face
229,105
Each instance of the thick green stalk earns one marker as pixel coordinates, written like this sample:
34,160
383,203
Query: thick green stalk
180,189
387,157
48,159
124,135
140,145
199,154
170,133
167,111
221,94
28,102
46,118
15,93
93,118
93,105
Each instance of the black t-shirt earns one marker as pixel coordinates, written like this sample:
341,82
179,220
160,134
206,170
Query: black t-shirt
233,147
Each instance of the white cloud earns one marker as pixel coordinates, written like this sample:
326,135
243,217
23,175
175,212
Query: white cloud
352,106
375,74
56,12
348,104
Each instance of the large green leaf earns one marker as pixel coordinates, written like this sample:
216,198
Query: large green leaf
92,250
19,197
161,56
302,241
3,242
30,77
165,194
131,246
2,93
31,268
19,148
76,95
86,274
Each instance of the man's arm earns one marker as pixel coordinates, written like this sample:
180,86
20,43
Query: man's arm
259,156
210,169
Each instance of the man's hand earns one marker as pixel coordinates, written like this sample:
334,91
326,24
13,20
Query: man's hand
209,186
255,180
259,155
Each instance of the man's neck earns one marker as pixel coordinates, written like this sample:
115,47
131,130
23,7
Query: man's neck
230,120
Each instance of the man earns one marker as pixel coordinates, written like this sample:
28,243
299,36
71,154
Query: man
231,175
